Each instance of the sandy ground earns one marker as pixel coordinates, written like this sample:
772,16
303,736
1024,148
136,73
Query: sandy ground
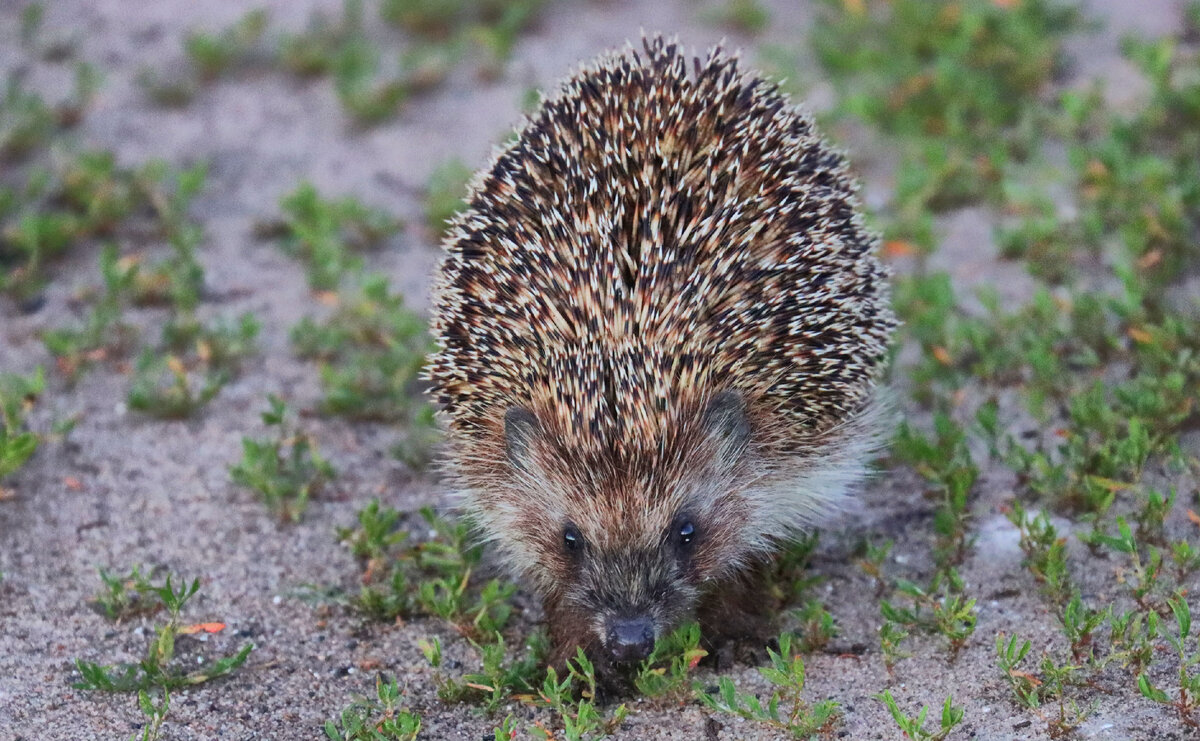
158,493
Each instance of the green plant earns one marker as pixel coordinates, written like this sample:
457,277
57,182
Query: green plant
17,395
747,16
444,196
431,576
914,728
941,608
356,78
312,53
103,335
500,676
799,718
26,121
156,669
666,671
891,636
376,535
212,55
382,719
164,387
126,596
327,234
945,461
580,717
1045,552
1188,698
285,470
155,714
506,731
372,349
1009,657
958,82
816,627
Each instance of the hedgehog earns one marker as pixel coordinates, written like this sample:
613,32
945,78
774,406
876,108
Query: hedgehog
660,324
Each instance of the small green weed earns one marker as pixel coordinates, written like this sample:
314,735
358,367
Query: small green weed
313,52
941,609
326,235
372,349
156,670
356,78
180,383
1049,684
127,596
957,82
501,676
799,719
891,638
430,577
210,56
914,728
745,16
580,717
666,672
444,196
285,470
17,396
155,714
341,48
213,55
103,336
1188,698
815,626
466,25
946,462
382,719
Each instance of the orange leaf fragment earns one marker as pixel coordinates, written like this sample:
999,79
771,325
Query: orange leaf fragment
1195,518
327,298
188,630
941,355
1150,259
72,483
898,248
1140,335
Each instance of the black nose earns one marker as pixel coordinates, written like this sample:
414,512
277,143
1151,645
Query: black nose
630,639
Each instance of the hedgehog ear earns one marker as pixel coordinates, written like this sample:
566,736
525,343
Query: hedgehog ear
728,425
521,428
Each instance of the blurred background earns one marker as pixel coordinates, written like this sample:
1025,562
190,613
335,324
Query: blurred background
218,227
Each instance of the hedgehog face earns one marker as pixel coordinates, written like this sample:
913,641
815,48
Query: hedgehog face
628,592
626,556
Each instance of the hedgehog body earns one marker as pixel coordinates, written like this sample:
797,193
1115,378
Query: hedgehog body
660,324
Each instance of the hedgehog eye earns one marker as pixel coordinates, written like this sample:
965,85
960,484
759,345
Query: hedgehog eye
683,533
572,540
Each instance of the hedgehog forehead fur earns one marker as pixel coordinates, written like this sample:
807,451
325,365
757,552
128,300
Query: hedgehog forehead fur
659,233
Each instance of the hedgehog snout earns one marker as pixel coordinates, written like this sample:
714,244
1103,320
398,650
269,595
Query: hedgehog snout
630,638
